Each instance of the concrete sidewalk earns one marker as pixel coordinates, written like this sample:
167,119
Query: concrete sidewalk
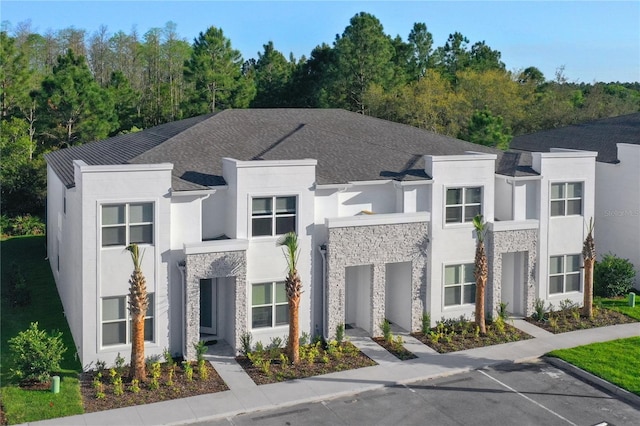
245,396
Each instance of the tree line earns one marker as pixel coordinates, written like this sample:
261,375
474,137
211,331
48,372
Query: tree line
66,87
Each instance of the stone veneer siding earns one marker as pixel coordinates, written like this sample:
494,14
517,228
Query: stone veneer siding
215,265
499,242
375,245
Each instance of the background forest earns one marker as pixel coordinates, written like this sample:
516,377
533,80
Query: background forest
67,87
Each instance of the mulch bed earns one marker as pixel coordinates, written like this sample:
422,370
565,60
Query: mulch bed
181,388
395,348
571,320
348,357
462,336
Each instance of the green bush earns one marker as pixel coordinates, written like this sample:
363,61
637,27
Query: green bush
17,293
613,276
35,354
21,225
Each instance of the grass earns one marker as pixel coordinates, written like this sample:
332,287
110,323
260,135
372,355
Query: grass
22,405
616,361
621,304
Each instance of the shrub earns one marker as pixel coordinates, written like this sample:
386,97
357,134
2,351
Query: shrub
18,292
539,310
426,322
200,349
35,354
246,341
340,333
613,276
22,225
386,331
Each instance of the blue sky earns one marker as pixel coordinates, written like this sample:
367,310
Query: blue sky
594,41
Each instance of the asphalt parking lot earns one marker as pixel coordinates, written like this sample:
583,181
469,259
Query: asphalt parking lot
533,393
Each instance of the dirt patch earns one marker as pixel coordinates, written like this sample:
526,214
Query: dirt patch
459,336
566,320
176,386
395,348
271,366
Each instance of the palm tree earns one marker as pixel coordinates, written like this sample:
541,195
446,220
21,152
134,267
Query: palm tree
589,255
480,271
138,304
293,287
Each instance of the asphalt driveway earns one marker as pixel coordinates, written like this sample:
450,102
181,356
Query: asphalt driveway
511,394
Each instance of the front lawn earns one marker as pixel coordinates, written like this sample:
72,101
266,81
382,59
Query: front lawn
620,304
616,361
22,405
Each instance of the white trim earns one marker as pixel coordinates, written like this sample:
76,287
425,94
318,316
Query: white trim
240,164
513,225
216,246
197,193
377,219
85,168
469,156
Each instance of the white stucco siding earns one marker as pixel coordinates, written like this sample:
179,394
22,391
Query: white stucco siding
377,198
186,220
618,207
215,210
64,245
454,243
503,199
562,235
106,270
265,259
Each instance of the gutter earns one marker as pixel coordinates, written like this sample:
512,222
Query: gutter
181,267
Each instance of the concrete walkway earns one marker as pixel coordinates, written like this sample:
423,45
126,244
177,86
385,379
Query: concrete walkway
245,396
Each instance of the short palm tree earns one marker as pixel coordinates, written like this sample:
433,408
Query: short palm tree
138,304
589,256
480,271
293,287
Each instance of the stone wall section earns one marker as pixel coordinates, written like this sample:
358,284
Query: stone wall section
375,245
215,265
499,242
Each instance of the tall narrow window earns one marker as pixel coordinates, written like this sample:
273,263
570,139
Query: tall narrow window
564,273
463,204
124,224
269,307
459,285
566,198
273,215
115,317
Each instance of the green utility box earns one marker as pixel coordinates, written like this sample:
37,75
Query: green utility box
632,300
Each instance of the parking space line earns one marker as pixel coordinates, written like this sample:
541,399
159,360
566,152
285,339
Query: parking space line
527,398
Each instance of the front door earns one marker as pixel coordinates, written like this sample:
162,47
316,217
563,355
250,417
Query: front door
209,306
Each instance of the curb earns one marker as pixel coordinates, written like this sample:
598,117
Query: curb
623,394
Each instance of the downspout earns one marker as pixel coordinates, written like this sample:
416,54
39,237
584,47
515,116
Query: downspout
181,267
323,252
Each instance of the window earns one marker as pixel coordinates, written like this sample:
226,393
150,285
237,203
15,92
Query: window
269,307
463,204
115,317
566,199
564,273
459,285
124,224
266,221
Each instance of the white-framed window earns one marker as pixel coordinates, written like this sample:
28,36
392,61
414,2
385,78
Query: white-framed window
129,223
564,273
115,317
272,216
269,306
459,285
566,198
463,204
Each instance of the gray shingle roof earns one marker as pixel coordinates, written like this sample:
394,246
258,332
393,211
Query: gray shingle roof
600,135
348,146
